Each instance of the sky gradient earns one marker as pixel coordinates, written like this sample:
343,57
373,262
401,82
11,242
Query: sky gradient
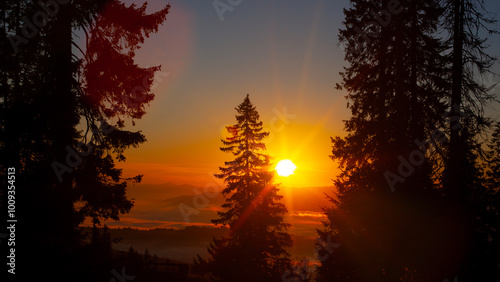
285,54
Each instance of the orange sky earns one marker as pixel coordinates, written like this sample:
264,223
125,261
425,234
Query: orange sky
208,67
194,161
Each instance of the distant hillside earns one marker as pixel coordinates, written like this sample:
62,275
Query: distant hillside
160,206
307,198
151,191
301,198
183,245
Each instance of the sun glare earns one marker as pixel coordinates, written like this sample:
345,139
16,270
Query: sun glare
285,168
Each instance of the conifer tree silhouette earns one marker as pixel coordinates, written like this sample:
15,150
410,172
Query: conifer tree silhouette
255,250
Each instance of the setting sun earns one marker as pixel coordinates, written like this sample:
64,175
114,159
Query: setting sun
285,168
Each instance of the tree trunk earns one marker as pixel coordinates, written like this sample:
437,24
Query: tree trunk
453,183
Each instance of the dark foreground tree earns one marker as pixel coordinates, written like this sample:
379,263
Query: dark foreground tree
383,215
480,204
416,117
51,90
468,23
255,250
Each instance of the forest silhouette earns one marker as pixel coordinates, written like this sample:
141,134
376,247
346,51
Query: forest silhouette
416,199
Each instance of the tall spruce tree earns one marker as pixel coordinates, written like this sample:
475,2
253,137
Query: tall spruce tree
482,202
493,171
469,23
383,217
255,250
